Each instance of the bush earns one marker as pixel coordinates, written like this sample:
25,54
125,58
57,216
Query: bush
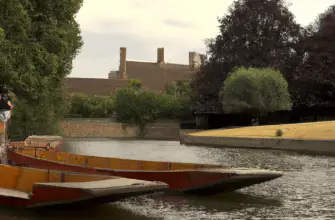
90,107
140,106
131,105
135,83
279,133
180,95
255,90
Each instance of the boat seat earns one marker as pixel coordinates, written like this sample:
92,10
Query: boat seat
14,193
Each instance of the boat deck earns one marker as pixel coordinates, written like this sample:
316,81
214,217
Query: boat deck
110,183
243,171
13,193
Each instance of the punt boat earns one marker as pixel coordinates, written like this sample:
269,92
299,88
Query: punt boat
185,177
24,187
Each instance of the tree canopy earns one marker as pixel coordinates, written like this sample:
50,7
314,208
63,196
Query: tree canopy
255,91
136,106
38,41
139,106
315,77
256,34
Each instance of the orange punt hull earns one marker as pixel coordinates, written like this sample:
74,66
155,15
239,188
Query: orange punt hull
29,188
185,177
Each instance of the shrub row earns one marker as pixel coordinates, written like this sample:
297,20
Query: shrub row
131,106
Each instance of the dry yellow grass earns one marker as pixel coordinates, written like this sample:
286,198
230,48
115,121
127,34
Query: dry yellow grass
316,130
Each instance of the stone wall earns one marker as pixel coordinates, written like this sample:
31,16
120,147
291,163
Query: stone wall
108,128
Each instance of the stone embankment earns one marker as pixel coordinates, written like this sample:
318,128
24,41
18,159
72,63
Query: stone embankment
108,128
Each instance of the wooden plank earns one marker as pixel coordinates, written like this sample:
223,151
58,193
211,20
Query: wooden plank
154,165
13,193
123,164
77,159
100,162
54,176
29,152
50,155
9,176
70,177
63,157
29,176
183,166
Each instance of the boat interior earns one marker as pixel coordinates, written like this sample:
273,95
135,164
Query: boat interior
2,128
19,181
27,144
37,141
110,163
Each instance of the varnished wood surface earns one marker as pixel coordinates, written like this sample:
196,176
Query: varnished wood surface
112,163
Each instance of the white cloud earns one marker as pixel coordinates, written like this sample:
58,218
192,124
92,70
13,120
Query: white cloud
178,25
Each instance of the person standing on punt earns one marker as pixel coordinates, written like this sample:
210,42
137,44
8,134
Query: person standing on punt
5,113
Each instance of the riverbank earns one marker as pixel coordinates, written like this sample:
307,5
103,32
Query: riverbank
109,128
317,137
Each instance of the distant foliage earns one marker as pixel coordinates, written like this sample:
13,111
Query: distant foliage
135,83
140,106
179,88
90,107
257,34
256,91
314,83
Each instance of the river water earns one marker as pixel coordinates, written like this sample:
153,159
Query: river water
306,191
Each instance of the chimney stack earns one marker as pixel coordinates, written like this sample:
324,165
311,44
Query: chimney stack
195,60
191,60
160,55
122,69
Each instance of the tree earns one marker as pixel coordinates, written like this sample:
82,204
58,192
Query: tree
139,107
315,76
256,91
256,34
135,83
181,106
39,40
179,88
136,106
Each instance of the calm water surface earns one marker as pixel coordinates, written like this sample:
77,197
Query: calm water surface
306,191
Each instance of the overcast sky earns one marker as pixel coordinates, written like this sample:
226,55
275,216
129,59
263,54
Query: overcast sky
179,26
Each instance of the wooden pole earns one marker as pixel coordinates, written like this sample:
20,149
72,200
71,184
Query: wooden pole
3,143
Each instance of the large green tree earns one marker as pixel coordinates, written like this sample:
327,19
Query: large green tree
256,91
315,77
137,106
38,41
256,34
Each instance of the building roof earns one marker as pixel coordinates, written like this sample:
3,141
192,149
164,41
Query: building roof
94,86
153,76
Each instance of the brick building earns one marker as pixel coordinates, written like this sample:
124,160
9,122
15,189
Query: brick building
153,75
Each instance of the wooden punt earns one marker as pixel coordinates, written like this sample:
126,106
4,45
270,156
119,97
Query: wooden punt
24,187
185,177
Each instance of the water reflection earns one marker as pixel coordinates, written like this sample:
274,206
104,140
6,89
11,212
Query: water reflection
102,212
